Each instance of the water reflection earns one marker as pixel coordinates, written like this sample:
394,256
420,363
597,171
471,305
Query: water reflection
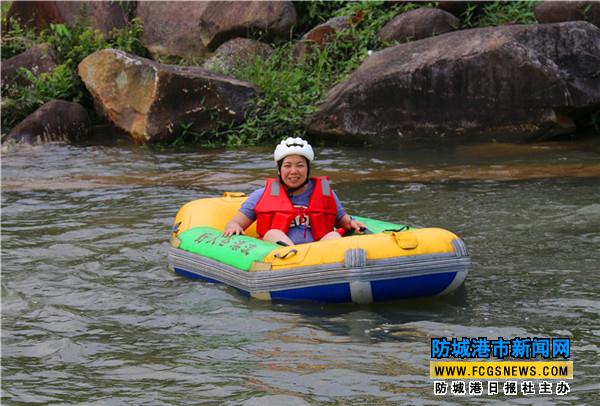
122,167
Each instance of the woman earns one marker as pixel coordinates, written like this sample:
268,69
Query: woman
293,209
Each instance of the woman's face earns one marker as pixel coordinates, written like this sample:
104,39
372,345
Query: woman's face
294,170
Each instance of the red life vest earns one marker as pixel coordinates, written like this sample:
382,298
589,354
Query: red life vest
274,209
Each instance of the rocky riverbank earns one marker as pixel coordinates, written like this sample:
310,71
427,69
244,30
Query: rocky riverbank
427,77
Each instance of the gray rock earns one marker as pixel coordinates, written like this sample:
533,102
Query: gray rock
153,101
38,59
103,15
418,24
508,83
191,29
561,11
235,53
57,120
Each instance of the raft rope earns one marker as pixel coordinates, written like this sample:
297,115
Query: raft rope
391,230
291,252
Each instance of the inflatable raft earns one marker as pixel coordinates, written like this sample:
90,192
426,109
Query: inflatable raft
391,262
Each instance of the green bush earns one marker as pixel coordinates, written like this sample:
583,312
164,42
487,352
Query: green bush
72,44
16,39
291,88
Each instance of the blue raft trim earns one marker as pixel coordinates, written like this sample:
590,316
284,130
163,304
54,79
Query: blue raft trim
415,286
386,289
335,293
382,290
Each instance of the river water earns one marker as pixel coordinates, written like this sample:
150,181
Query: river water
91,314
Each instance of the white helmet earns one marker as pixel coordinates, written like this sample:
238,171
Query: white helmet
293,146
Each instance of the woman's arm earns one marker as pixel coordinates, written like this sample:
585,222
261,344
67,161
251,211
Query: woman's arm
346,222
245,216
237,224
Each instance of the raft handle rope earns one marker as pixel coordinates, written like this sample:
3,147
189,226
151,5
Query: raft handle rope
365,230
348,233
291,252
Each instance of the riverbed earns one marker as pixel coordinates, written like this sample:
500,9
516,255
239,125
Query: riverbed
92,315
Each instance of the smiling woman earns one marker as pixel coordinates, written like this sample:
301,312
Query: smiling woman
295,208
294,171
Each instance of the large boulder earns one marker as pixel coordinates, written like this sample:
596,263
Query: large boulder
103,15
561,11
418,24
57,120
509,83
235,53
38,59
191,29
156,102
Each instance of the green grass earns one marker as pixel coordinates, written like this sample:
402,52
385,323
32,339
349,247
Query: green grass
499,13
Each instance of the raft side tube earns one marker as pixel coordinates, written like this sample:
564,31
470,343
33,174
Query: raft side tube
211,212
243,251
381,280
253,282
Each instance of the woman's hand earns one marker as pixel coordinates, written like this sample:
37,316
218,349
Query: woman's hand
233,228
349,224
358,226
237,224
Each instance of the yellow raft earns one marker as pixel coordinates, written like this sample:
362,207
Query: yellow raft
391,262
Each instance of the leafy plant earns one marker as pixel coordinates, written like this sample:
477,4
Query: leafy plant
72,44
288,93
57,84
15,39
498,13
128,38
62,83
469,16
